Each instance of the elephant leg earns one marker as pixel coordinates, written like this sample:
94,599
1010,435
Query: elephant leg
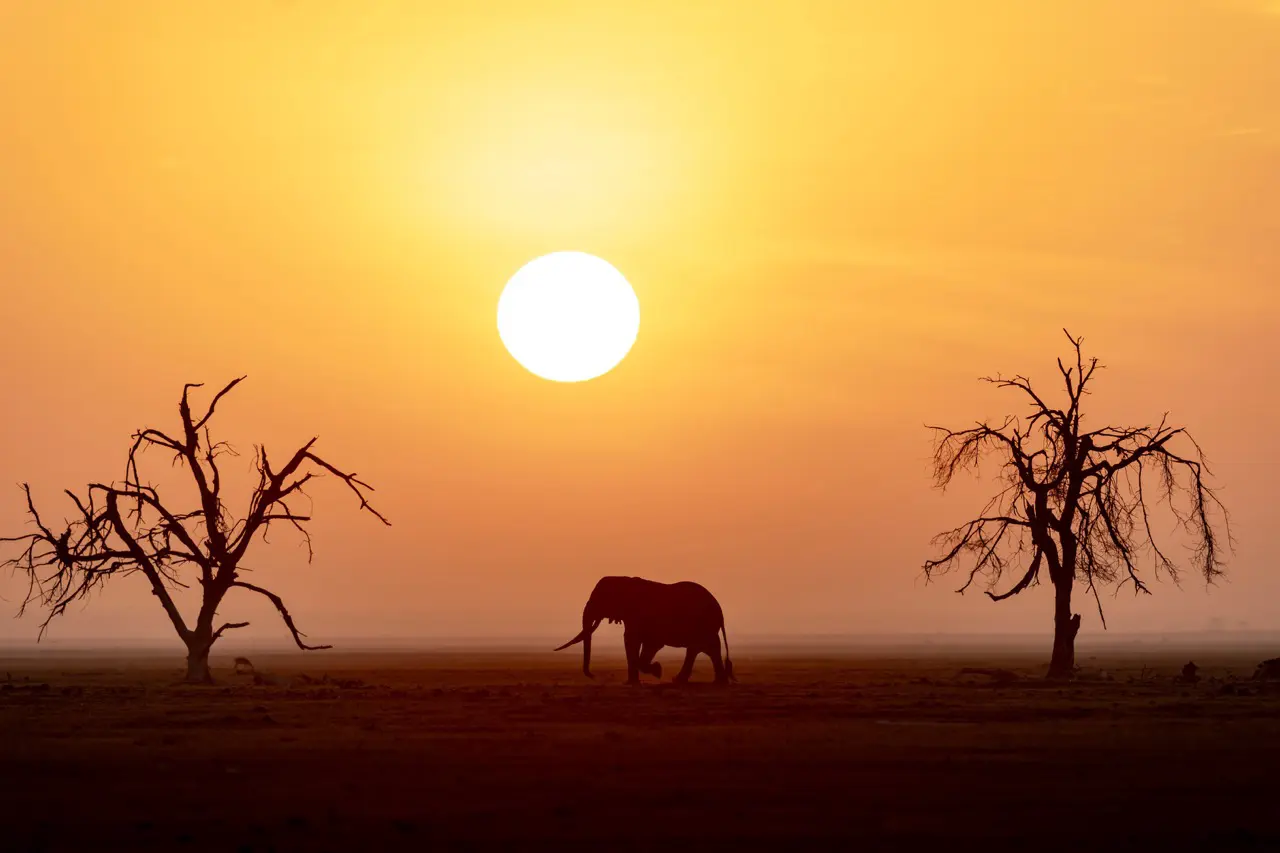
713,652
647,663
631,644
682,676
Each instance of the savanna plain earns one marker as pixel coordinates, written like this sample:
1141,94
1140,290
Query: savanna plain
810,749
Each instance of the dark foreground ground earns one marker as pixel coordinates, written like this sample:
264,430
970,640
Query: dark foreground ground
449,751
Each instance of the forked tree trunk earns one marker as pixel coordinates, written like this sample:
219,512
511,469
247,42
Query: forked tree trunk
1065,627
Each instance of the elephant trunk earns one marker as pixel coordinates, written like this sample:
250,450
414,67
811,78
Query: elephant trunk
589,625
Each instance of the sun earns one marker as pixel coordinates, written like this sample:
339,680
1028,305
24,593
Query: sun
568,316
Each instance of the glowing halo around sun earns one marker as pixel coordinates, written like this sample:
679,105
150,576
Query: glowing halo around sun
568,316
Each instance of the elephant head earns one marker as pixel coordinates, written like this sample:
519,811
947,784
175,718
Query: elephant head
611,599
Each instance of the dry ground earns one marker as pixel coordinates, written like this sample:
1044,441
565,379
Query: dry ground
506,751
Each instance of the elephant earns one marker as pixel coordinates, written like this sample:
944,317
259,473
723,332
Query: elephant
684,615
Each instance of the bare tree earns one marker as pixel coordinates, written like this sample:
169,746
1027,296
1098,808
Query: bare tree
127,528
1076,503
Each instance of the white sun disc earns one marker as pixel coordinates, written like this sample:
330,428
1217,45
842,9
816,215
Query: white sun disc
568,316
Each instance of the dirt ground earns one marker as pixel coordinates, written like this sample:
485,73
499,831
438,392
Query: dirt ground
509,751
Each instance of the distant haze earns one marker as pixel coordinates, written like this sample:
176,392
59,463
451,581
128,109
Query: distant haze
836,218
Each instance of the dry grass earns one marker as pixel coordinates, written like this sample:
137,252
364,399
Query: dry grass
387,751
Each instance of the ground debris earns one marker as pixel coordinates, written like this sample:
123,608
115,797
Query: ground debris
1268,670
1189,674
1094,675
27,686
1231,688
266,679
999,675
326,681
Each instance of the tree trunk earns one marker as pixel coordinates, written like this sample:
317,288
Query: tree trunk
198,663
1065,627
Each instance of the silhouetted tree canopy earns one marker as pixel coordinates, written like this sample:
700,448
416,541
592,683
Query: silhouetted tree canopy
1076,503
127,527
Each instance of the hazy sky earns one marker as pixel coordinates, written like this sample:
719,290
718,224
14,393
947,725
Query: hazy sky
836,216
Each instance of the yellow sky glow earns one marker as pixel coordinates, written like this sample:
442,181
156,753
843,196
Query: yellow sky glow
835,214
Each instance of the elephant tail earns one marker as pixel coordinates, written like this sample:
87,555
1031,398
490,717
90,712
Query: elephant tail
728,664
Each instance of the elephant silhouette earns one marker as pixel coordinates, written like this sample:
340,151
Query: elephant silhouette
653,614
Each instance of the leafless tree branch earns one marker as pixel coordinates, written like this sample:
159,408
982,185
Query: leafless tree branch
227,627
128,527
284,613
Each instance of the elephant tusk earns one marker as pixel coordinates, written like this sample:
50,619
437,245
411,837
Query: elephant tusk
574,641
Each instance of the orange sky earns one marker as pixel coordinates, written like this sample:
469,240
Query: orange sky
836,216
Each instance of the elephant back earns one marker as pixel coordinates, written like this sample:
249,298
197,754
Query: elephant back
681,614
